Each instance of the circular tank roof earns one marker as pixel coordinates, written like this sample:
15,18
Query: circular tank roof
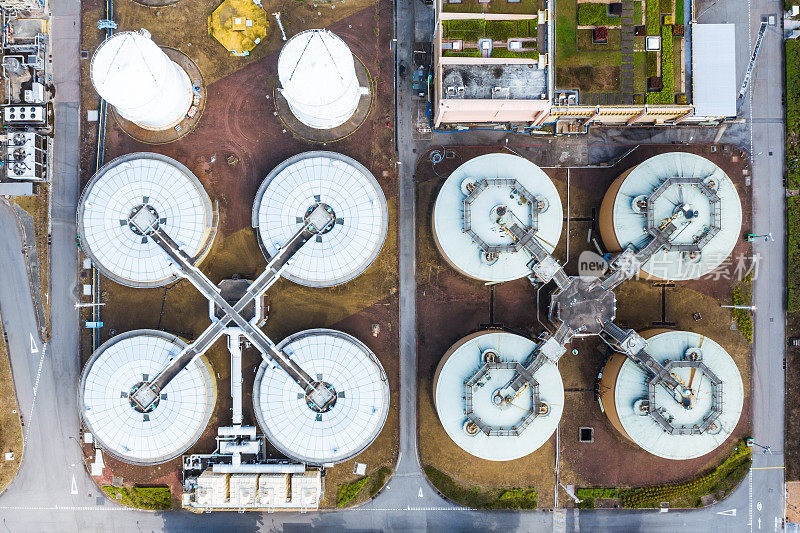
631,387
350,425
689,206
467,359
317,72
116,370
346,186
133,190
511,182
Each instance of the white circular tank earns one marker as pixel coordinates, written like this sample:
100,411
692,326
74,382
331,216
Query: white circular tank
128,186
318,79
625,397
353,421
512,182
486,355
145,86
349,189
116,370
700,217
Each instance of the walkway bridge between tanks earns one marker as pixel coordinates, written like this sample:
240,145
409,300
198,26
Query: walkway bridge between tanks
317,394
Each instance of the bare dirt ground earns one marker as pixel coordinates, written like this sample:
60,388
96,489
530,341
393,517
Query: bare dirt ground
239,120
610,460
793,502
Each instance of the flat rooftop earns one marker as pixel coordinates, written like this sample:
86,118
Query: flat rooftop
515,82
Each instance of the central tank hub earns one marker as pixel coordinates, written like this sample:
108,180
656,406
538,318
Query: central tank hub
321,396
143,219
320,218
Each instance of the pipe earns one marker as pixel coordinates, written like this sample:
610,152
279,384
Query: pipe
269,468
235,348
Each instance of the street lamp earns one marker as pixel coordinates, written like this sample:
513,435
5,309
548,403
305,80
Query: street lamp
745,307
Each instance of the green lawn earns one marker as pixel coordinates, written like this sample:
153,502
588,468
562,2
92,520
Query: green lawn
567,53
504,52
472,52
525,7
639,72
613,43
477,498
596,15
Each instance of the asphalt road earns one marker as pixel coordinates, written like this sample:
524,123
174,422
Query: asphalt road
41,498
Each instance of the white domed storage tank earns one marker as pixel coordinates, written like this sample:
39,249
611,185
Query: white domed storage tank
109,204
471,376
713,390
172,425
318,79
301,182
145,86
353,421
463,232
686,189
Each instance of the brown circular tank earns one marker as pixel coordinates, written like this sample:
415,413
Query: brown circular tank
607,232
608,383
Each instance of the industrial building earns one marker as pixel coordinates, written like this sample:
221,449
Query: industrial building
479,204
166,429
682,203
318,435
320,397
674,426
317,75
490,402
348,191
663,391
129,197
143,84
509,64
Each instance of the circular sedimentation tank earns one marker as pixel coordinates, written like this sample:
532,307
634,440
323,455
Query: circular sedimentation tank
500,190
131,195
318,78
145,86
353,194
169,428
502,424
694,420
686,190
345,428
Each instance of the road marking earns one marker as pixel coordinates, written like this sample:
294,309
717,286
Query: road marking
559,520
34,348
74,489
419,495
768,468
750,496
729,512
759,506
35,391
759,522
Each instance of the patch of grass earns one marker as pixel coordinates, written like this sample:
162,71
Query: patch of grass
792,113
652,64
505,52
502,30
637,13
666,6
613,42
477,498
652,16
10,427
679,12
742,295
720,482
348,491
151,498
793,254
596,15
471,52
468,30
378,480
667,93
524,7
639,72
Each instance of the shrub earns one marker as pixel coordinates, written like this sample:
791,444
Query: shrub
151,498
596,15
742,296
348,491
667,94
792,113
378,480
652,16
793,254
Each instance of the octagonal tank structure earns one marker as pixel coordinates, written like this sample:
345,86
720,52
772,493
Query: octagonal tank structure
145,86
143,189
483,192
349,425
172,425
686,189
348,189
470,394
662,422
318,78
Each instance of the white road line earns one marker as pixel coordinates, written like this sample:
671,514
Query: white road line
35,391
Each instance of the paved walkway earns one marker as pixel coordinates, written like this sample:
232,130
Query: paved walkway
626,47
